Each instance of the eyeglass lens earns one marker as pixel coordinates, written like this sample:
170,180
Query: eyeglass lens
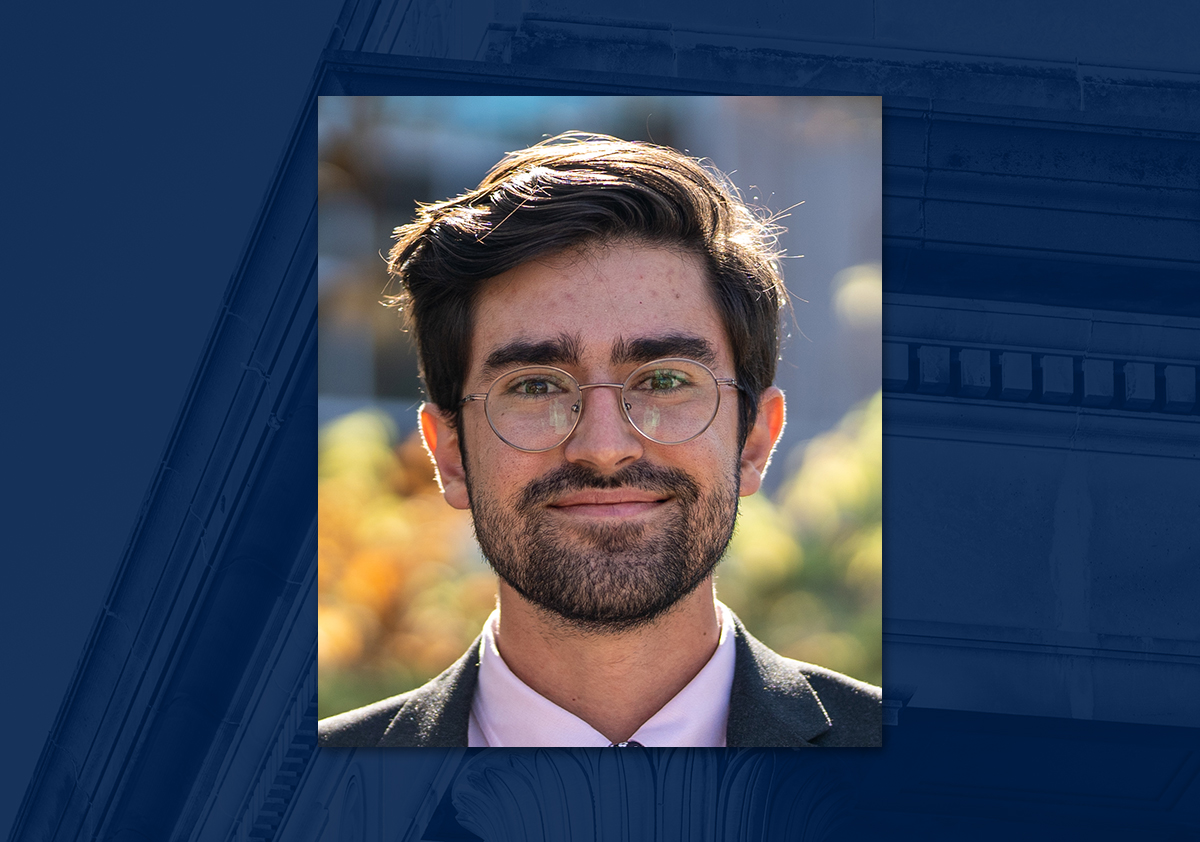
668,401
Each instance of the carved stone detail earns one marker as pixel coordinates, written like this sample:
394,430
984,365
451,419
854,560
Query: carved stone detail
598,795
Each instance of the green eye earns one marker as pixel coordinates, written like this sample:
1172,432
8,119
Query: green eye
664,381
535,386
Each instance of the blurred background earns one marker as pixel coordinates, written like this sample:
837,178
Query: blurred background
403,589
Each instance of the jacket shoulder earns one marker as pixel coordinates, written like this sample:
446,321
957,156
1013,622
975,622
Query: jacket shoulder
855,708
436,714
363,726
780,702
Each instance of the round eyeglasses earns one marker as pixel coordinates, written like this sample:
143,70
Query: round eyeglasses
536,408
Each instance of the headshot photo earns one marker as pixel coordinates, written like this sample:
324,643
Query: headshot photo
600,458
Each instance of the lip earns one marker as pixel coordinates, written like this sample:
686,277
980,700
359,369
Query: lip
608,497
618,503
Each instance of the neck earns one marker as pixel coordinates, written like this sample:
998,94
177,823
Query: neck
614,682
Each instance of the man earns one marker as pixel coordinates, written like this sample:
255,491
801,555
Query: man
597,330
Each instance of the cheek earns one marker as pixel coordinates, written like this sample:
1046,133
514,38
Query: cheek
725,430
499,471
712,463
727,457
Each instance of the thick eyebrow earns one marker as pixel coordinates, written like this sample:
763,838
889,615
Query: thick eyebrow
564,349
647,348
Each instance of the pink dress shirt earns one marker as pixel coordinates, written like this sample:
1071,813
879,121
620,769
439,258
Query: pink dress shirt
507,712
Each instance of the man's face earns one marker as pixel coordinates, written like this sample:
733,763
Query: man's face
608,530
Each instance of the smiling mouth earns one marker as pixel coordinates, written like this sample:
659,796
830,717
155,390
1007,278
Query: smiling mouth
608,505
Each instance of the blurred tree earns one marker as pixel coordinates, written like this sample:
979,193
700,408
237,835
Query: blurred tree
402,589
804,573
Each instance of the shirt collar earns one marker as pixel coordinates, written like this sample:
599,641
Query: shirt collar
508,712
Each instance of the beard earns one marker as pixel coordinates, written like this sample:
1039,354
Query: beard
604,578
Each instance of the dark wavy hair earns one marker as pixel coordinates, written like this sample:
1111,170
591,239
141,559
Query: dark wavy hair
574,190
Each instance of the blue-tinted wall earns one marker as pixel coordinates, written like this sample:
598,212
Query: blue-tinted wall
1041,544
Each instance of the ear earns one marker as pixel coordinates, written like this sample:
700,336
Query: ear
441,440
760,443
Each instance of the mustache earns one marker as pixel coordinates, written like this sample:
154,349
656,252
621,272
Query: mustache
644,477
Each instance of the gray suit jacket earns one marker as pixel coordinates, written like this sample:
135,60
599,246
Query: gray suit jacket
775,703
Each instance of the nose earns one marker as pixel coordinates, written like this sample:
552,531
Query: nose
603,439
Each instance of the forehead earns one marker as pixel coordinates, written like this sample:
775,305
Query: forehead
604,296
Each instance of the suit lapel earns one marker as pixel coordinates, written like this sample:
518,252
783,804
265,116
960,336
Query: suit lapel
437,715
771,705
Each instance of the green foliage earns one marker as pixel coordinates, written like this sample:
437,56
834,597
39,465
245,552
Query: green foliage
804,572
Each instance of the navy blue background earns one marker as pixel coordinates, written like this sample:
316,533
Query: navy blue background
139,151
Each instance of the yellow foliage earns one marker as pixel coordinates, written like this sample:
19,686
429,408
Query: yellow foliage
401,586
805,575
765,550
865,567
841,477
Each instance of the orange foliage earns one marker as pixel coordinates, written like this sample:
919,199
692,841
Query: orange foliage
401,585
